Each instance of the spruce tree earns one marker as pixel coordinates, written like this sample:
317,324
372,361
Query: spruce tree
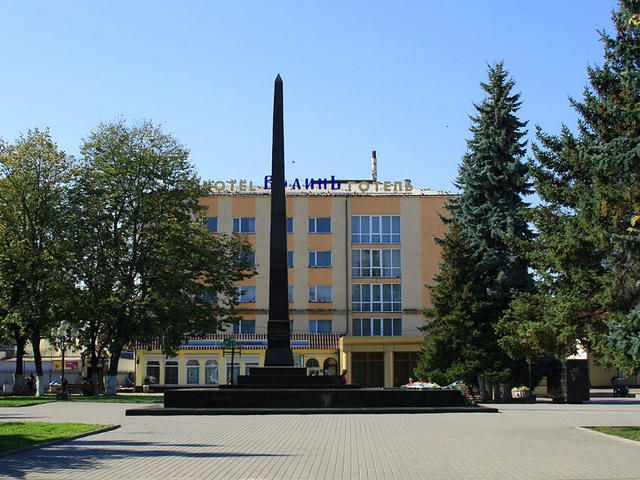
480,272
587,262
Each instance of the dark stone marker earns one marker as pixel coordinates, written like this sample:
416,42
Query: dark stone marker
278,330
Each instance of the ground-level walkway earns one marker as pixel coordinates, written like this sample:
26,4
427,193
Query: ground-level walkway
523,442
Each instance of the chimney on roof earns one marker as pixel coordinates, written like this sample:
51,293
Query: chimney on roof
374,166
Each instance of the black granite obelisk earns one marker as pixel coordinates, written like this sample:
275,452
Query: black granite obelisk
278,330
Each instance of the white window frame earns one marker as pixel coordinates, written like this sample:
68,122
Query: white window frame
376,297
376,263
313,294
370,229
213,366
238,227
313,325
207,224
377,327
315,255
193,364
243,292
237,327
313,224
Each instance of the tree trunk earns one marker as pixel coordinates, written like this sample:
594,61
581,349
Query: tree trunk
112,374
19,387
496,392
482,389
506,392
37,360
95,381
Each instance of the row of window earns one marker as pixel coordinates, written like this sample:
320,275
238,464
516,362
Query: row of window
373,327
212,373
362,327
248,224
376,297
364,263
364,228
315,326
317,294
366,297
211,376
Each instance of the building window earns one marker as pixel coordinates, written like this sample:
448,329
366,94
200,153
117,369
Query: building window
289,224
152,376
320,259
246,294
290,293
320,326
367,369
403,365
211,374
212,224
171,373
289,259
313,366
244,326
235,373
248,259
320,225
244,225
320,294
330,366
193,372
376,327
376,297
385,263
375,229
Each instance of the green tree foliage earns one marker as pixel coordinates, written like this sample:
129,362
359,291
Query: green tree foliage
145,263
480,272
34,180
586,261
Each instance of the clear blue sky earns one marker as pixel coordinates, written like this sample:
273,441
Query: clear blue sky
397,77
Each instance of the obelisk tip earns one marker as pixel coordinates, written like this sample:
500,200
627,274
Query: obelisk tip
279,78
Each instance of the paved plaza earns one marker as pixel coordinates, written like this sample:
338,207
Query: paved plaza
540,441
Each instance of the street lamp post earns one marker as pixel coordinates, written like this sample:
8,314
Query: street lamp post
64,336
231,344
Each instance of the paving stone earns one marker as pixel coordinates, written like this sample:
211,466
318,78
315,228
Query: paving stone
522,442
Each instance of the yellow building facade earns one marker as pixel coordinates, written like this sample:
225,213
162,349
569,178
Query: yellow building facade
360,254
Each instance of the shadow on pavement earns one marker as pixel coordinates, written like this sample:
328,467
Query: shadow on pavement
144,444
83,455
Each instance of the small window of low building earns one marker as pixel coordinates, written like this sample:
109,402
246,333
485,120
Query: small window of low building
152,375
193,372
171,373
211,374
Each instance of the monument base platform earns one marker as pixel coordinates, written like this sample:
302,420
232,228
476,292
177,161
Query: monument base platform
154,411
236,401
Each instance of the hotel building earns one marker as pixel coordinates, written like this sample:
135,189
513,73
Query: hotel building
360,254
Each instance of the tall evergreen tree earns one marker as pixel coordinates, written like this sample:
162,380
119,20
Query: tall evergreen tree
586,262
480,272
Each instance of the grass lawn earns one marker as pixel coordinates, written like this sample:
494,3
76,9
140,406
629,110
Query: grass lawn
23,401
119,399
632,433
14,435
